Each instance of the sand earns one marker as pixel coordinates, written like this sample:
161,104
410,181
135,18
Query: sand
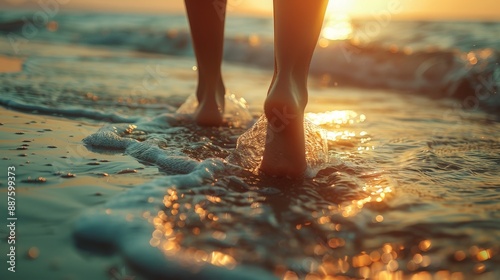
48,200
10,64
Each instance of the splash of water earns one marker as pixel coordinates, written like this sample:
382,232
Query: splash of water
250,147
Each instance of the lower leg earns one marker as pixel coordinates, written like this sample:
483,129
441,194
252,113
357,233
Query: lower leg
297,27
206,20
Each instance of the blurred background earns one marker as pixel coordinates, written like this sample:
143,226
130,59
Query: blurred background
411,9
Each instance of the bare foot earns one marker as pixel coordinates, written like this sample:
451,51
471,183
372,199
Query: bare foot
210,108
284,152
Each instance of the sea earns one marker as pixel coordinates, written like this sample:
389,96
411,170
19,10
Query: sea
403,137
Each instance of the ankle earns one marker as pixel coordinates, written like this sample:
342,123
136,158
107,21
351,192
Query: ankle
210,92
285,103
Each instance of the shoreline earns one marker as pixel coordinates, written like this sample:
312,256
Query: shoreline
47,208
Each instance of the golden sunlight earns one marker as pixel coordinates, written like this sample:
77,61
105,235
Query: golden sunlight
335,118
337,25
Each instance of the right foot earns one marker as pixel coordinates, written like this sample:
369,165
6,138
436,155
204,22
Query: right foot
284,151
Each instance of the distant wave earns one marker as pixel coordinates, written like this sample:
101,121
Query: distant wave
473,77
68,112
440,59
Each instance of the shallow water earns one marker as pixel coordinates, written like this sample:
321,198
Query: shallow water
410,190
390,203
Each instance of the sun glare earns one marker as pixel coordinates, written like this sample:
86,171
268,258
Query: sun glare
337,24
338,27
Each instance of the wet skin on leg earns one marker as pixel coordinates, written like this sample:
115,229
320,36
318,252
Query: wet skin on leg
297,25
206,21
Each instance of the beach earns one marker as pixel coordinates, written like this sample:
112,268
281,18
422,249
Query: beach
49,198
114,181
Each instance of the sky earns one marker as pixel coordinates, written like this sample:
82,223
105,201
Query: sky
406,9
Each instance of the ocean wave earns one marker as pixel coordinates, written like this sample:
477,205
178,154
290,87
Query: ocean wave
470,76
433,58
75,112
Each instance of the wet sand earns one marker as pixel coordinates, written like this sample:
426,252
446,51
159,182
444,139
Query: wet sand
57,179
10,64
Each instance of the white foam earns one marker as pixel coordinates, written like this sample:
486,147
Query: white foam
108,137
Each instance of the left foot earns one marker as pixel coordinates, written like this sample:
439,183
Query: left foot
210,108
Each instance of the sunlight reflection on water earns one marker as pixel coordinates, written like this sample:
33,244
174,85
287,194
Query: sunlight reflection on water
337,27
187,218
